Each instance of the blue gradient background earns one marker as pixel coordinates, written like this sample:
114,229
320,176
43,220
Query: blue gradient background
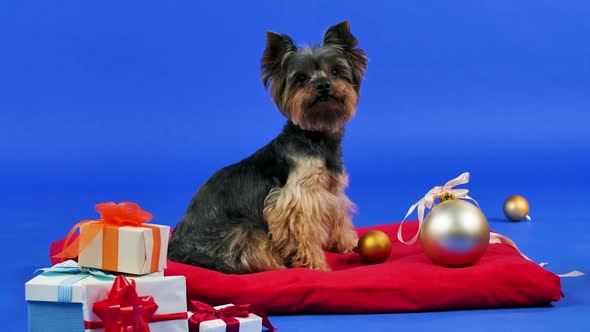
142,101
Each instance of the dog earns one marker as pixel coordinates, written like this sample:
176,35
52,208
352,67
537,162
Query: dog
285,204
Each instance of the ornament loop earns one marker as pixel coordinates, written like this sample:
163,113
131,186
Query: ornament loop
427,202
446,197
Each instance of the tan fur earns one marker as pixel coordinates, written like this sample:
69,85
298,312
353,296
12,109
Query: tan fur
297,101
294,105
346,91
310,213
251,252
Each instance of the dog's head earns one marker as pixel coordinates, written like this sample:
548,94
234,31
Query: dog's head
317,87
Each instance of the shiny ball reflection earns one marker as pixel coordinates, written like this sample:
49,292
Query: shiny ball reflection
516,208
374,247
455,233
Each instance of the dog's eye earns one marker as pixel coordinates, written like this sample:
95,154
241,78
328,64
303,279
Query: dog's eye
301,78
335,71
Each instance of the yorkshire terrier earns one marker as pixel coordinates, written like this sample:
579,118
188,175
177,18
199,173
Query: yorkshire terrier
285,204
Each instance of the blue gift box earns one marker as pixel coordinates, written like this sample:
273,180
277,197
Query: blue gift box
54,301
55,317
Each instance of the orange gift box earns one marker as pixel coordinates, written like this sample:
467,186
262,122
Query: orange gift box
120,241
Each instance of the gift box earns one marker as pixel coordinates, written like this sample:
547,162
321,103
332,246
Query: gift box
120,241
135,250
67,298
226,318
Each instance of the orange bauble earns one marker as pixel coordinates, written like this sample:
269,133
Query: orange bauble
516,208
374,247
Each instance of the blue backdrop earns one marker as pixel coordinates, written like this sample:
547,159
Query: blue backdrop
142,101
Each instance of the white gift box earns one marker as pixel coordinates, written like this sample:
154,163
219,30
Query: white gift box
252,323
62,302
133,250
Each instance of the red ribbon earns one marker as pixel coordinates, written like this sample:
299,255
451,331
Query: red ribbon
124,310
155,318
203,312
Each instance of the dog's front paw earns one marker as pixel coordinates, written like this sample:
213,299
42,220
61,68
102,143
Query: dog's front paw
347,250
315,260
346,244
321,266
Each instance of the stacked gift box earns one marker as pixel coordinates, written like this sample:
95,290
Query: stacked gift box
118,284
118,281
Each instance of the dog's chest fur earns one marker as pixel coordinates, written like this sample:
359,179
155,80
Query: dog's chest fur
317,175
310,203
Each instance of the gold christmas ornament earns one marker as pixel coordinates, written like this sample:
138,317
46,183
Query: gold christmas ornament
516,208
454,233
374,247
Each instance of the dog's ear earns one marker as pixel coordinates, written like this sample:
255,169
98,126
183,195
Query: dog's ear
277,47
339,36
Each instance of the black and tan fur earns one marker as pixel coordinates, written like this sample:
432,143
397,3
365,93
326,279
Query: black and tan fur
285,204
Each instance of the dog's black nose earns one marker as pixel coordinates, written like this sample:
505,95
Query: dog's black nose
323,88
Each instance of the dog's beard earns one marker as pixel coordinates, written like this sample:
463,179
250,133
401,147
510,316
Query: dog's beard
315,112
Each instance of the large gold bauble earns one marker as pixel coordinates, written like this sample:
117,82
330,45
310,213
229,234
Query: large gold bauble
455,233
374,247
516,208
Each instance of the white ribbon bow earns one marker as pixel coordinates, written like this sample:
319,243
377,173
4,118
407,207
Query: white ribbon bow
427,202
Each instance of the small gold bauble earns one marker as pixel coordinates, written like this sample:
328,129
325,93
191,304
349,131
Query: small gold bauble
516,208
374,247
454,233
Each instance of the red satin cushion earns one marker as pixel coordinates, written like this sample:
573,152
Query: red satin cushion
407,281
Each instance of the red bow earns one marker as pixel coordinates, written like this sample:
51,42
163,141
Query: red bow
122,214
203,312
124,310
125,213
112,215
